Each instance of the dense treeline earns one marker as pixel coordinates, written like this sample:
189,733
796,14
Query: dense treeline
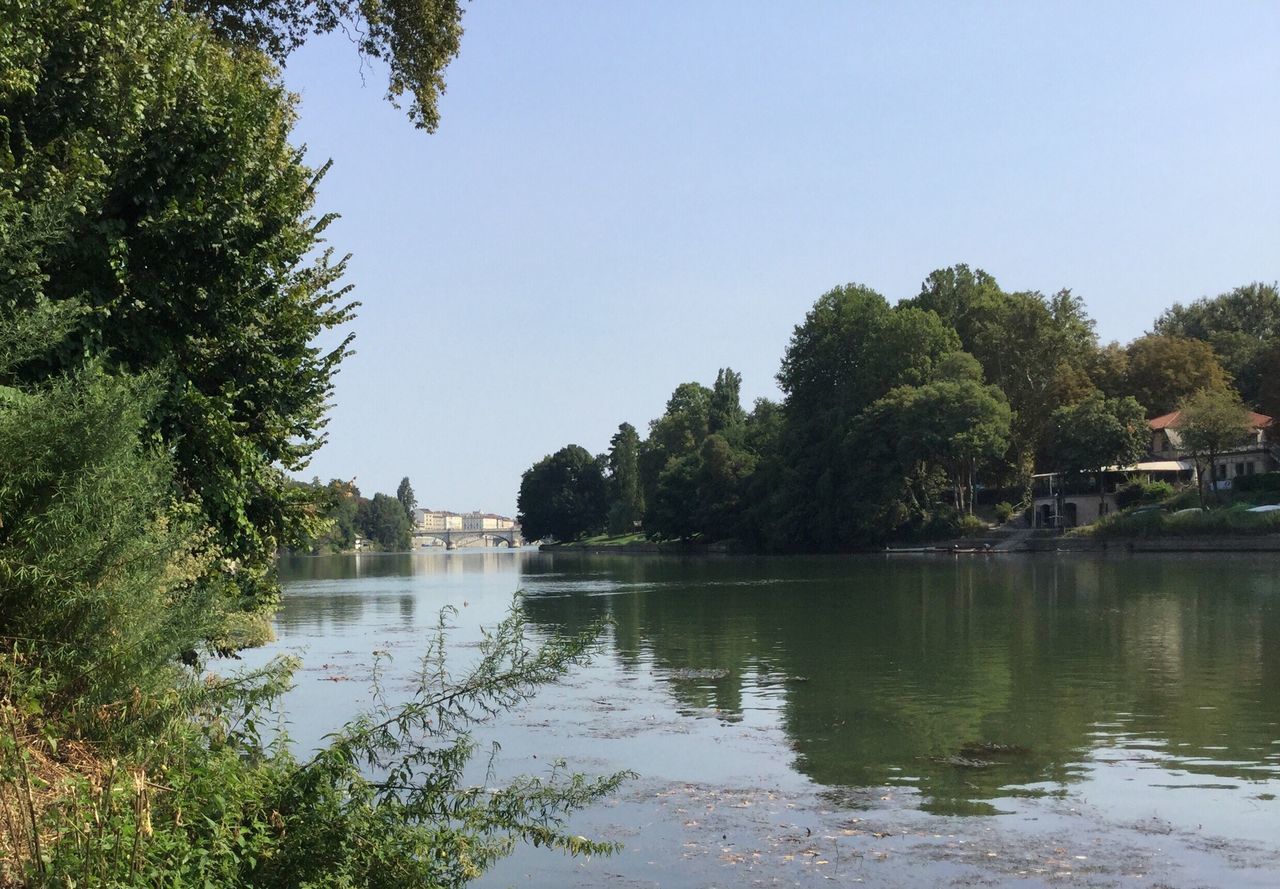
894,414
162,287
382,521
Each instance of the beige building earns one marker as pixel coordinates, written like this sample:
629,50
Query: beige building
442,520
436,520
1253,454
486,521
1065,503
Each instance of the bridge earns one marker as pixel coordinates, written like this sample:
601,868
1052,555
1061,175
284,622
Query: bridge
454,538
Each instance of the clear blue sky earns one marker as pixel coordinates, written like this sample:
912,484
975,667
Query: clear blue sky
621,198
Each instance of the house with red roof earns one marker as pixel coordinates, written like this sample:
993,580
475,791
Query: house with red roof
1061,502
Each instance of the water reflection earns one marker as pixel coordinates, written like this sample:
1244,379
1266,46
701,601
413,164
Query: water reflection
969,680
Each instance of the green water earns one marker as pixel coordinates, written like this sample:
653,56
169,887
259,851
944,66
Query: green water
1083,696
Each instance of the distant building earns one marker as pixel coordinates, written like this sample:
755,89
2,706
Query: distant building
436,520
486,521
1253,453
442,520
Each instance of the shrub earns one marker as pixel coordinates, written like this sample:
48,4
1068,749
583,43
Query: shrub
1268,482
1236,520
1004,511
1141,491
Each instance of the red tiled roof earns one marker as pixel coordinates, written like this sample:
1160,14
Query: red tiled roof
1170,420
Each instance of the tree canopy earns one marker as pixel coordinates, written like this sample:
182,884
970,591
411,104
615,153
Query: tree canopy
1241,325
895,418
415,39
174,217
404,493
563,496
1161,370
1210,422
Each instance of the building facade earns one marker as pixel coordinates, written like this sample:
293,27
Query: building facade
1064,503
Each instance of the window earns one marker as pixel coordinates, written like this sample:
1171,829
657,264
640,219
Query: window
1220,471
1248,468
1239,469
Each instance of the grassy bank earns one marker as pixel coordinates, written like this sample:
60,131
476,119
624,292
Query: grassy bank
601,540
1226,522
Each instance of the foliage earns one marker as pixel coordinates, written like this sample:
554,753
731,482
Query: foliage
1263,481
1201,522
1162,370
1212,421
959,425
416,39
626,492
1004,511
894,415
563,495
100,569
404,493
1036,349
840,483
156,167
1097,433
1140,491
384,521
725,414
384,803
1242,326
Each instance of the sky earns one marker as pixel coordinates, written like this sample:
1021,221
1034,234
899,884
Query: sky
624,197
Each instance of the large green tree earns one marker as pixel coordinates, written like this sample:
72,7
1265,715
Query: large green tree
725,414
1241,326
178,217
563,496
383,520
626,494
1163,369
1211,422
404,493
851,349
1096,434
1037,349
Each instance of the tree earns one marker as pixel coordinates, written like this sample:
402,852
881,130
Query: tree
404,494
1108,369
625,491
962,426
416,39
1163,370
563,496
851,349
960,296
383,521
1030,347
155,165
1210,422
1035,348
725,413
679,432
1269,388
1096,434
1241,326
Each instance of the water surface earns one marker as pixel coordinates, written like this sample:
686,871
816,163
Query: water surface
900,721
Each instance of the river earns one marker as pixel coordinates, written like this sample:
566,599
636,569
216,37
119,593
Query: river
897,721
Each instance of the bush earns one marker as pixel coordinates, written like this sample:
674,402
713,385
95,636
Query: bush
1140,491
1004,511
1268,482
1236,520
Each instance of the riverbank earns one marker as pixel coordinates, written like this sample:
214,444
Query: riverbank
640,547
1257,543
